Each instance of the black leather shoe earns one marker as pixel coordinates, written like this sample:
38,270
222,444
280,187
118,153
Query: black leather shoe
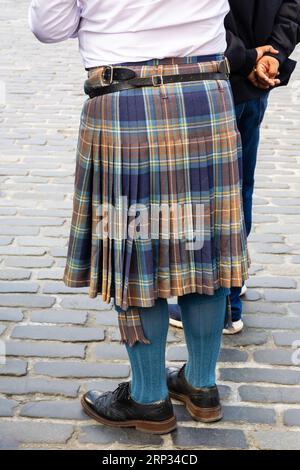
117,409
203,404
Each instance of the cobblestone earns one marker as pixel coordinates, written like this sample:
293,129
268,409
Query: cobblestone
63,333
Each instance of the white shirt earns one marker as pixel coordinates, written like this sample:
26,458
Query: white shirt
115,31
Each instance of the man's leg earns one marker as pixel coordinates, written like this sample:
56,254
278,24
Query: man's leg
249,118
249,122
148,384
195,383
143,403
203,320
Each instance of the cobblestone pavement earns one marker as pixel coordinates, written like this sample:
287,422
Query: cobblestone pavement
59,342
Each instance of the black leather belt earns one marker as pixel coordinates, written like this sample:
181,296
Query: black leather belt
113,79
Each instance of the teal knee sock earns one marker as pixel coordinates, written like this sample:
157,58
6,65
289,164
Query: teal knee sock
203,321
148,384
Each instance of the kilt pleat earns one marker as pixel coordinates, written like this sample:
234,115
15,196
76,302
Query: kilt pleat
157,155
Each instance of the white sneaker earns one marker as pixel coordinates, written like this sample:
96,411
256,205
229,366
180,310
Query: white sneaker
244,290
236,327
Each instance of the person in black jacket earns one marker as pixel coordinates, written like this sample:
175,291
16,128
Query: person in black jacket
261,35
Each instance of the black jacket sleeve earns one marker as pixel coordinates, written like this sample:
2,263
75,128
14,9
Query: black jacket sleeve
285,34
241,59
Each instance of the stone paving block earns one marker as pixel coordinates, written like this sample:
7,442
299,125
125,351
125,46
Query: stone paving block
11,314
59,333
232,355
280,357
61,288
275,249
46,349
55,273
109,318
83,302
29,432
249,414
38,241
27,301
102,435
257,394
287,338
264,307
14,274
9,230
13,367
58,409
272,281
29,385
110,352
292,417
4,241
43,213
283,295
254,374
59,316
204,437
32,221
276,440
81,369
265,238
272,322
22,251
8,443
252,295
18,287
270,258
59,252
264,218
236,414
7,407
28,262
245,338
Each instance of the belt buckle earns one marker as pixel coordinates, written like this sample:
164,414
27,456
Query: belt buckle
157,80
105,81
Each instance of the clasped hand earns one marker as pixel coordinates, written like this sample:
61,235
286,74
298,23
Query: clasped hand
265,73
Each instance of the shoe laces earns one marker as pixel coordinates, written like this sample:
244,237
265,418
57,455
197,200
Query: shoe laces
122,392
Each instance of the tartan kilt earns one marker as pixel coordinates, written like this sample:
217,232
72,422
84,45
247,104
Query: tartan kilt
154,147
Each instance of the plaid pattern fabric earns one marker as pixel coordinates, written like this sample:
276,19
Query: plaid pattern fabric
171,146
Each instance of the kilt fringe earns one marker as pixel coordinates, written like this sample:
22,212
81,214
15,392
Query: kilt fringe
131,328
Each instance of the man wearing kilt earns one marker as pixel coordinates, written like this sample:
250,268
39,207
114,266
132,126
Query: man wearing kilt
157,206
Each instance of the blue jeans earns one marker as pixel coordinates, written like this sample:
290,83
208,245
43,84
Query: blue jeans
249,117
